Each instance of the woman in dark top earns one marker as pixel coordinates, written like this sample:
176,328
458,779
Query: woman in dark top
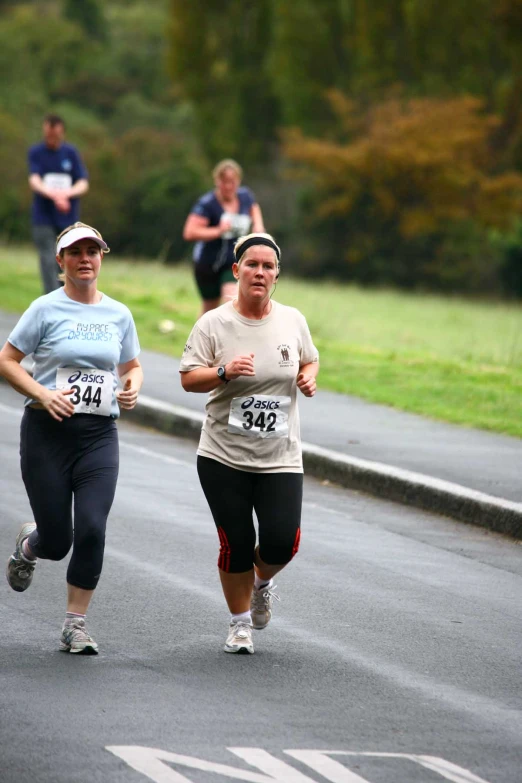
216,220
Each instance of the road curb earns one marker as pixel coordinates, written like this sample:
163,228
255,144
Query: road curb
374,478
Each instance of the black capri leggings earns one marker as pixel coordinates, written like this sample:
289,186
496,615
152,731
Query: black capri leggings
75,457
233,495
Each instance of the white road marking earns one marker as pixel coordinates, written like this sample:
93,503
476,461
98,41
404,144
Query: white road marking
448,770
150,762
330,769
276,770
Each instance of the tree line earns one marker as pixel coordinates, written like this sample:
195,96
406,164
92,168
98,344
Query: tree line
383,139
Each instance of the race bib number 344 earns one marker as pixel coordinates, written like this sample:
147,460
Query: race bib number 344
259,416
91,389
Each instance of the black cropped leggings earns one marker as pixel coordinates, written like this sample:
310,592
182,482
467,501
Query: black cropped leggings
75,458
233,495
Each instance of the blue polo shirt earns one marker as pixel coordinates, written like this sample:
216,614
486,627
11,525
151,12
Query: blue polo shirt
209,207
58,168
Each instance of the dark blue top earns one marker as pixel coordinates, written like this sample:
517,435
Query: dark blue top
209,207
58,168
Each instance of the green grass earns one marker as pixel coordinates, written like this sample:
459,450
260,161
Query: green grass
446,358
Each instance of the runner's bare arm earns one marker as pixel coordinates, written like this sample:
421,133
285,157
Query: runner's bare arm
80,187
205,379
258,225
54,400
197,229
37,185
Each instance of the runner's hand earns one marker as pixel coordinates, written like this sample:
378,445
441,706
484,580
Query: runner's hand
224,226
127,397
240,365
62,203
306,384
57,405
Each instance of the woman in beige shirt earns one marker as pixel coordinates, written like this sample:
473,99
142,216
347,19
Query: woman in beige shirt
252,354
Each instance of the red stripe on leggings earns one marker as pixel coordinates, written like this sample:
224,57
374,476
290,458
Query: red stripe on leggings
224,551
297,541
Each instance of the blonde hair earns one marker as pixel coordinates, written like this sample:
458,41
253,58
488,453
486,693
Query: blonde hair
79,224
228,163
268,238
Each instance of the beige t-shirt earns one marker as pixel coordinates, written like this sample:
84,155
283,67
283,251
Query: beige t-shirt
252,423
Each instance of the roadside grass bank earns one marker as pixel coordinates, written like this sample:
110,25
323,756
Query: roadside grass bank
447,358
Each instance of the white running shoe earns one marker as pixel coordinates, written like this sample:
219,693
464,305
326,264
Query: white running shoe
261,606
75,639
239,639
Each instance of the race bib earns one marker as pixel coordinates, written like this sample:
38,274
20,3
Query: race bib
58,181
240,224
92,389
259,416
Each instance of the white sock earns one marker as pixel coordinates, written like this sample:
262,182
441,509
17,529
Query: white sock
259,583
244,617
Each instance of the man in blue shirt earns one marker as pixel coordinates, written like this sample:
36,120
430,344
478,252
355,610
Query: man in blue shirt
57,177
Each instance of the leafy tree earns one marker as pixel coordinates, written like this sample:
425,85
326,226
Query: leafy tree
218,58
455,48
145,183
311,54
14,193
31,69
508,18
88,14
415,170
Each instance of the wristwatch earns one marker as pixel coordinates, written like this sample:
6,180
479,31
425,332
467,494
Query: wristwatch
222,375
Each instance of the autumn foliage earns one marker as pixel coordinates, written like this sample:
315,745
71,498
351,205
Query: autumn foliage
394,190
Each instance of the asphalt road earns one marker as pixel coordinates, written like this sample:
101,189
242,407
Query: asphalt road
394,655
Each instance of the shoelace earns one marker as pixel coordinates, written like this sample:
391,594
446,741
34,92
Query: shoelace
23,569
241,630
265,597
76,631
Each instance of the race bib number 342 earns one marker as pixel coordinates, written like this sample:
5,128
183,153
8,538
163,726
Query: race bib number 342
91,389
259,416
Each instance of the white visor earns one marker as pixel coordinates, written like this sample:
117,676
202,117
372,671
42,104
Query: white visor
76,234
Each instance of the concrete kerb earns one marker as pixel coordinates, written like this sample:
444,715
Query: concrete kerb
374,478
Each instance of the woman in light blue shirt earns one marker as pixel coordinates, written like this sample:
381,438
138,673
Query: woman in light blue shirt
82,342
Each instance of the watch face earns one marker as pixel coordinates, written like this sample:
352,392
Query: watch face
221,371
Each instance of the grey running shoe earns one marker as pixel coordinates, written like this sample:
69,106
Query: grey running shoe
75,639
239,639
261,606
19,569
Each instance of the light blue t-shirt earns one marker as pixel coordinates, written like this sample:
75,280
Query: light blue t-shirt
60,332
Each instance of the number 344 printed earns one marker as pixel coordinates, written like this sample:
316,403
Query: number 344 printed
91,389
